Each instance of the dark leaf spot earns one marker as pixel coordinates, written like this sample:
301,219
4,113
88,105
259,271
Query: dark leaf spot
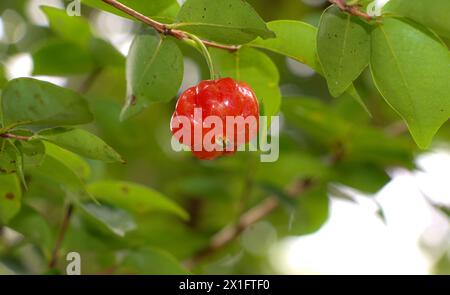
133,100
38,98
10,196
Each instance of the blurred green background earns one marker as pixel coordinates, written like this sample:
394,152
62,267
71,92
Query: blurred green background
378,205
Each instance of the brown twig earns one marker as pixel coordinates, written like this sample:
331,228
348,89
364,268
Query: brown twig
351,9
164,28
397,128
14,136
255,214
61,235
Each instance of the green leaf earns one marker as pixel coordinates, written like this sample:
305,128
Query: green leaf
307,216
294,39
19,164
3,79
368,178
72,29
154,71
430,13
353,93
361,143
116,220
62,58
106,54
374,145
34,227
62,175
343,47
410,67
312,211
205,186
162,8
7,157
33,102
297,40
159,225
289,168
150,261
81,142
69,159
134,198
20,155
33,152
254,68
224,21
10,197
258,239
15,156
315,118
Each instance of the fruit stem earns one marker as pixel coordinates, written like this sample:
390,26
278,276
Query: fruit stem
14,136
205,53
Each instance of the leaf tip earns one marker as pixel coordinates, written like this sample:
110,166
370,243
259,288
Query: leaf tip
422,139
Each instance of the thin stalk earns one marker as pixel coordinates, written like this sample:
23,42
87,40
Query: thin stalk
205,53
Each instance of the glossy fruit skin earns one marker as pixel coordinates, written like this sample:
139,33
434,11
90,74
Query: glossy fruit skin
222,97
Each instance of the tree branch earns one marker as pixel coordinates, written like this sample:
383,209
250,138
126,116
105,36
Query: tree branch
397,128
61,235
14,136
164,28
351,9
255,214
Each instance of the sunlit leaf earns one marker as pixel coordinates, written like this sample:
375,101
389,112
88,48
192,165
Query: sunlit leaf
343,47
81,142
27,101
431,13
410,67
61,175
226,21
69,159
294,39
297,40
134,198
